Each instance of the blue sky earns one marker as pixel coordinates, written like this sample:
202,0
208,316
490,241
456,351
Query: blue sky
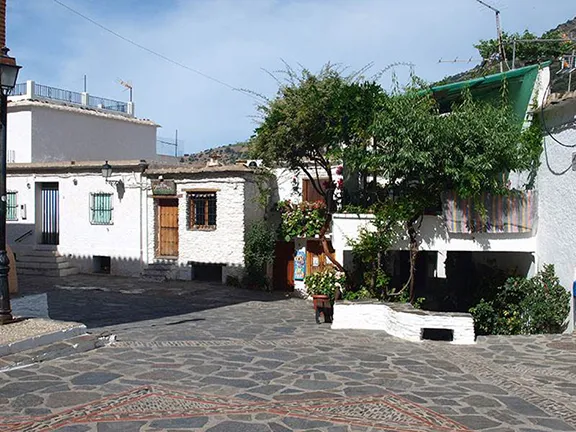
234,40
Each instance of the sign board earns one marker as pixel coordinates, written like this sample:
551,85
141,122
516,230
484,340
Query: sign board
163,187
300,265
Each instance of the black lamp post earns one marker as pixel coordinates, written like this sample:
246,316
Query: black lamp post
8,75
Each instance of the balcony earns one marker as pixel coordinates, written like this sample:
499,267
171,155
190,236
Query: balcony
32,90
509,225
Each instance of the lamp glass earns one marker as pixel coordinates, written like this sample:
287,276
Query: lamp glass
8,76
106,170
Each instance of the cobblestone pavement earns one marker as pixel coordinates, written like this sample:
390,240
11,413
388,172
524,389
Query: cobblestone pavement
193,356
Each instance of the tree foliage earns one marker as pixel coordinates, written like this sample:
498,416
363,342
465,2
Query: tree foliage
527,52
400,140
311,117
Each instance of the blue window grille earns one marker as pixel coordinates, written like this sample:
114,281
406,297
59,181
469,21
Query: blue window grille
12,206
101,208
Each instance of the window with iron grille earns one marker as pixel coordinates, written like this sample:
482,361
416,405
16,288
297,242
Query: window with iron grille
202,210
101,208
12,206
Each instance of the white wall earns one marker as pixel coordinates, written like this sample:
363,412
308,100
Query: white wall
79,239
19,137
225,244
434,237
556,183
67,134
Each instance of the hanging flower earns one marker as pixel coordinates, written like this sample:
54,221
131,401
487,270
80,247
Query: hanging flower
339,169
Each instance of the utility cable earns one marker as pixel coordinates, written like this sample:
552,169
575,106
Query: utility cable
155,53
549,133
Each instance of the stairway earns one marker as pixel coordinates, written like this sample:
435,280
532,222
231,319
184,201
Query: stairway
43,263
159,271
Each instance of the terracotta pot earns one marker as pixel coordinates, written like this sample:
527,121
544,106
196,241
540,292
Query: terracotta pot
321,300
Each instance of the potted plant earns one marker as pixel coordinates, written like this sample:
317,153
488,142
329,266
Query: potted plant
322,287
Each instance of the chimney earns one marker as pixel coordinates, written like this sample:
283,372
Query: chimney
2,23
213,161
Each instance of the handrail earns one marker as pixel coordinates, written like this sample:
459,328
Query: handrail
26,234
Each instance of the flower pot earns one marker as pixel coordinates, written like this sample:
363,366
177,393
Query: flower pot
322,305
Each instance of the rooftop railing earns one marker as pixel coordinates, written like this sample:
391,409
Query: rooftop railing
32,90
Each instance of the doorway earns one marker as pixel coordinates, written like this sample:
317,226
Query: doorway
167,223
283,270
50,214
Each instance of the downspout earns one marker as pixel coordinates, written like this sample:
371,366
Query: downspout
143,165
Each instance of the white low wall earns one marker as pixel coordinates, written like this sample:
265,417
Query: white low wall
401,320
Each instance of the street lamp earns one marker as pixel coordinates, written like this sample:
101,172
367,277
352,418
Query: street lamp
8,75
106,170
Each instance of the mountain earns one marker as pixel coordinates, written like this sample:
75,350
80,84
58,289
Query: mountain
227,154
526,54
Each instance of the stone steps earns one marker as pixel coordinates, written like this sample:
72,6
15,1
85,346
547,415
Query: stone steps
159,271
44,263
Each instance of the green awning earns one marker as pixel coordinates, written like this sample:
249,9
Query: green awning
520,83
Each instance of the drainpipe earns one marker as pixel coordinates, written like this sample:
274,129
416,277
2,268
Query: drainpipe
143,166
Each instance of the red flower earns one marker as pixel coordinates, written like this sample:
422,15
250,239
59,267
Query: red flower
339,170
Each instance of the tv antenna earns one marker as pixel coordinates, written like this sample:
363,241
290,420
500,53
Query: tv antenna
128,85
459,60
501,52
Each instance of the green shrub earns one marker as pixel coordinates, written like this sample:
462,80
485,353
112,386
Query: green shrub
259,247
524,306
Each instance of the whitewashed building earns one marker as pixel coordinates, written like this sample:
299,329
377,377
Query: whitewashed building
162,221
50,124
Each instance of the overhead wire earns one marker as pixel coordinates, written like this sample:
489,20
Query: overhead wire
156,53
549,133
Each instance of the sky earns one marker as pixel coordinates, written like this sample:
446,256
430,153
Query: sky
237,41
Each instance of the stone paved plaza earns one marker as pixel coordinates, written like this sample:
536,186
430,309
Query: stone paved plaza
199,356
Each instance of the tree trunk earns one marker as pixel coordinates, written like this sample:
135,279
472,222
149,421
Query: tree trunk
412,233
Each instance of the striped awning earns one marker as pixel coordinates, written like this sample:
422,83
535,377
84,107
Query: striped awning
511,213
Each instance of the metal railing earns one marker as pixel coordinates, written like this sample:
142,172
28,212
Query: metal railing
23,236
18,90
57,94
107,104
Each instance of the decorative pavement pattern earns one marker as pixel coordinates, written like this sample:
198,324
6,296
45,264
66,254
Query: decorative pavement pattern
386,412
199,356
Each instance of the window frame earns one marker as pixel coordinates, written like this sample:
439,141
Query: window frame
192,197
14,207
93,210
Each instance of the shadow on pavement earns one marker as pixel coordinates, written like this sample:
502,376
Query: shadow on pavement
99,301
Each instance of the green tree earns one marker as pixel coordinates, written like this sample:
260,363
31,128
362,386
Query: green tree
527,52
419,154
311,119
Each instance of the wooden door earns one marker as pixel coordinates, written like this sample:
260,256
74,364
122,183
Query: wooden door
309,192
283,276
50,214
316,259
167,228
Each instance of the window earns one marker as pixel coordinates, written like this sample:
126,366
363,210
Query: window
202,210
101,208
12,206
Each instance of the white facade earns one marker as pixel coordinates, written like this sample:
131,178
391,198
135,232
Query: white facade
556,242
130,239
236,209
44,129
44,132
80,240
